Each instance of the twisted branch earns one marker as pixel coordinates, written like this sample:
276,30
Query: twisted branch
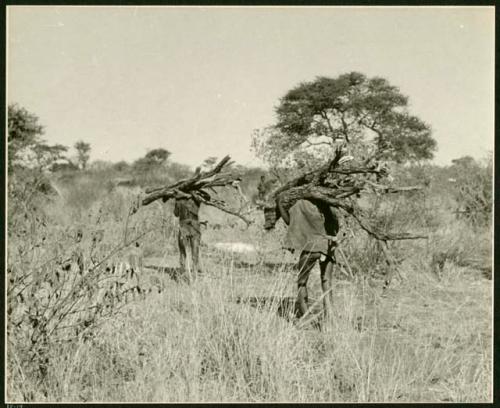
196,186
336,185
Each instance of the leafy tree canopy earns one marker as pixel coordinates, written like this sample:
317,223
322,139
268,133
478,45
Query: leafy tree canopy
368,115
24,132
159,156
464,162
152,160
26,148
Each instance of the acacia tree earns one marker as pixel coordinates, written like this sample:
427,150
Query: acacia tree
153,159
29,157
83,153
24,132
46,156
368,115
158,156
26,148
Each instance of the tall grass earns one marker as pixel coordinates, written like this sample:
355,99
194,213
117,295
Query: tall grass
423,342
427,339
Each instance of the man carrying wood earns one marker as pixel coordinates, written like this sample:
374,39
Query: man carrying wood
312,230
188,194
189,237
313,225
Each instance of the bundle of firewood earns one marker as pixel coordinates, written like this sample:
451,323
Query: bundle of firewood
198,187
339,184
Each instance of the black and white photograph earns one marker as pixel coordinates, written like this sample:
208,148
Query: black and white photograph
213,204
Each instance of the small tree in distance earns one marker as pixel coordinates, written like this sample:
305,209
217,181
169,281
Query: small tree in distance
83,153
153,159
158,156
473,189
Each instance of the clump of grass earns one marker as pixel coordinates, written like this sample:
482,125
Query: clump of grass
61,284
421,342
460,245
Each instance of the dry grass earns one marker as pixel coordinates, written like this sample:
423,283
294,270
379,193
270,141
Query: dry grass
423,341
427,339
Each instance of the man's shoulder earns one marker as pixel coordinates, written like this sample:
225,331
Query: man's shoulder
305,205
304,208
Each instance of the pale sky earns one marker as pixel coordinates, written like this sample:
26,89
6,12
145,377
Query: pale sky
198,80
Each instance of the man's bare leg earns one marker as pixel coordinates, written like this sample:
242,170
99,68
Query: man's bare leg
305,265
326,268
182,256
195,250
190,267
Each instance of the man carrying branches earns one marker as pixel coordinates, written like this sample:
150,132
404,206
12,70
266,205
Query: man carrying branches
189,194
305,204
189,236
312,230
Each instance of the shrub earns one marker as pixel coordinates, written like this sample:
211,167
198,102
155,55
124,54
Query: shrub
63,281
473,191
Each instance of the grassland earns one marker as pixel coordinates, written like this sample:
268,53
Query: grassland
428,338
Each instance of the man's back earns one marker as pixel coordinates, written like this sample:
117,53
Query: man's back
187,210
309,223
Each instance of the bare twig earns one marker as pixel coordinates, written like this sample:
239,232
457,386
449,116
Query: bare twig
221,206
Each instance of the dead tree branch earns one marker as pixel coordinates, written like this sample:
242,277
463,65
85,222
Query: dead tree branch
196,187
338,184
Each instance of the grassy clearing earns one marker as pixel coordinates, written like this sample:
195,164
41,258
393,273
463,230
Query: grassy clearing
424,340
427,339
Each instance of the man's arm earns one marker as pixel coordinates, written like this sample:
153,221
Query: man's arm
334,218
283,212
176,209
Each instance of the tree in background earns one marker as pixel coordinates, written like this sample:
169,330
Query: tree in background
368,115
158,156
463,163
30,158
121,166
83,153
64,166
26,148
473,188
153,159
24,132
47,156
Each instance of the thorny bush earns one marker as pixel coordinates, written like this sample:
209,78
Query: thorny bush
63,282
473,192
360,256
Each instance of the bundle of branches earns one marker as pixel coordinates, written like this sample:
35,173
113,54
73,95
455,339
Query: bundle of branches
196,187
338,184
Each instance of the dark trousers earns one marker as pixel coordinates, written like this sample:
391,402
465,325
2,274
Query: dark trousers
189,263
306,263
